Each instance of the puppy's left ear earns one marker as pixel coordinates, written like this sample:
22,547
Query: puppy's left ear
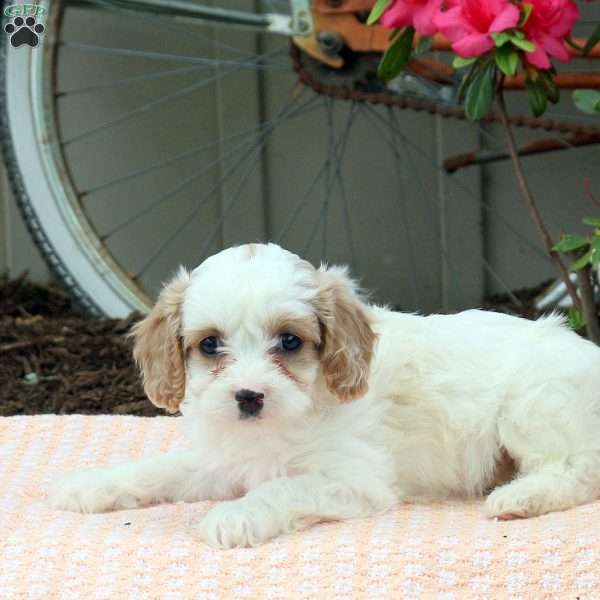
347,337
158,349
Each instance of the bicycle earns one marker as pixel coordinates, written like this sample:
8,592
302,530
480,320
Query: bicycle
106,166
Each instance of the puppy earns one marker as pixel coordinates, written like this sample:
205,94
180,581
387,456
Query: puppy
303,403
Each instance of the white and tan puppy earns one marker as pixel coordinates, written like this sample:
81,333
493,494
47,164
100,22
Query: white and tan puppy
302,403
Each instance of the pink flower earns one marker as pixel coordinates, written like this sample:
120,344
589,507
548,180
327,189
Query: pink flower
468,24
549,23
412,13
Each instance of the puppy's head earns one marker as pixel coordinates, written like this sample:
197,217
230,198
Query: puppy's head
251,334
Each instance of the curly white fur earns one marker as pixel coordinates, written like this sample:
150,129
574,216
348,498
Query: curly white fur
377,408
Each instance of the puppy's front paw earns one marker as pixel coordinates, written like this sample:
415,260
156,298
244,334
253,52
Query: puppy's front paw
234,524
91,491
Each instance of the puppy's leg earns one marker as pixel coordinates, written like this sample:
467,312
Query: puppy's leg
168,477
288,504
552,434
548,488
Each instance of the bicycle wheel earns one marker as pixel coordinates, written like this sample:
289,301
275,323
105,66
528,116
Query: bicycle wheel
136,143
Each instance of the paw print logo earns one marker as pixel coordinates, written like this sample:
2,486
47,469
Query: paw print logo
24,31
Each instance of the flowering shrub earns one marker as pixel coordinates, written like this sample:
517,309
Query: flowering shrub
549,24
469,25
490,38
418,14
586,252
589,246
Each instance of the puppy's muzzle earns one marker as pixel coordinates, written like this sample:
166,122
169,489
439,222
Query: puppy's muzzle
249,402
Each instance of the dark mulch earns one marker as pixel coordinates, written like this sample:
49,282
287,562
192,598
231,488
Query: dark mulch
53,359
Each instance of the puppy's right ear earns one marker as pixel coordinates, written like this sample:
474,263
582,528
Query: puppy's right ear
158,349
347,337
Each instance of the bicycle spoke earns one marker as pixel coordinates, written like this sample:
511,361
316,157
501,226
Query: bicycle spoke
130,81
181,58
238,192
171,160
328,179
337,177
340,147
189,216
393,131
302,203
424,194
147,107
256,148
344,200
488,267
401,204
169,194
485,263
463,188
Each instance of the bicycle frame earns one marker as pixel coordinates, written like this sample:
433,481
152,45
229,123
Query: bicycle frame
298,23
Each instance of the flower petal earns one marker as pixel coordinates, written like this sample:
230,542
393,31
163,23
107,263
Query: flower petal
452,23
555,48
507,18
568,17
538,58
473,44
397,14
423,18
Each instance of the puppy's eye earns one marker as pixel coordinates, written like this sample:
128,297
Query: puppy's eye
210,345
289,342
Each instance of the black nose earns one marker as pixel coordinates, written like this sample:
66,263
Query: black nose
249,402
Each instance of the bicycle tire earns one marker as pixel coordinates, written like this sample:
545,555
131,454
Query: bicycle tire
23,202
22,61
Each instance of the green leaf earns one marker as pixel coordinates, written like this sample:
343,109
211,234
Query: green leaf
596,252
523,44
582,260
576,319
527,8
592,40
570,242
547,80
591,221
536,94
424,45
480,93
459,62
397,55
501,38
587,101
468,78
507,60
377,11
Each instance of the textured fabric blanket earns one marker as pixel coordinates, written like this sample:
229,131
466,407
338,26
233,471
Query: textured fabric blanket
436,551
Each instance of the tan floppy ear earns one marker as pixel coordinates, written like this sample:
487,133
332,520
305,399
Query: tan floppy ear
158,349
347,338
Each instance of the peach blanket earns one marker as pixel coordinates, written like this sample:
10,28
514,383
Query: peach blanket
437,551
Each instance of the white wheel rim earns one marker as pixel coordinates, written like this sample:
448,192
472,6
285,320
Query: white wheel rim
46,182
